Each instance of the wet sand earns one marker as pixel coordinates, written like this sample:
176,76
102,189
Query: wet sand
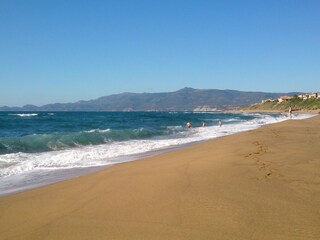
261,184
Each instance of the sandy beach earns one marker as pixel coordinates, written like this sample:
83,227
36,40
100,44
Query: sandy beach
260,184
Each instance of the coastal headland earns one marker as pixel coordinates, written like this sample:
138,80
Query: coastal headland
260,184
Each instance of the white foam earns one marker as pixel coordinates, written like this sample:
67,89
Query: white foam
24,114
98,130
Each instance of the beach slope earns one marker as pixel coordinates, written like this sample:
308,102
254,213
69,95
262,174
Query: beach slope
260,184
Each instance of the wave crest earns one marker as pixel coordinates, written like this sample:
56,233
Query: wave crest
24,114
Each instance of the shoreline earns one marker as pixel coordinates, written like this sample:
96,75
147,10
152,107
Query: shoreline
258,184
61,175
316,112
40,178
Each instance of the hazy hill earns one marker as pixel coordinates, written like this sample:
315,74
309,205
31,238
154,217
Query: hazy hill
185,99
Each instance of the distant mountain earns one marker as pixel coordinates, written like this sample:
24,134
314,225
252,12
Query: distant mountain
186,99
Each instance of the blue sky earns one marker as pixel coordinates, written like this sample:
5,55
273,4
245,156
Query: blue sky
65,51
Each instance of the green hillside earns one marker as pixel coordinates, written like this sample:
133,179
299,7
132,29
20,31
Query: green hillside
296,104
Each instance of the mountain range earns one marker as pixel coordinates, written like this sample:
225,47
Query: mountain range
186,99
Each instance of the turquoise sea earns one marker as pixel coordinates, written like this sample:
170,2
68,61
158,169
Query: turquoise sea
37,148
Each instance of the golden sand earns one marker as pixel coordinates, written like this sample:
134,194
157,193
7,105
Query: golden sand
261,184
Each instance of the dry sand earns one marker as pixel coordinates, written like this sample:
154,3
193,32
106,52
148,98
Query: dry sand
261,184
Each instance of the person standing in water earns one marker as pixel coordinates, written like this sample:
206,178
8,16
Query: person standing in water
290,112
220,123
203,124
188,125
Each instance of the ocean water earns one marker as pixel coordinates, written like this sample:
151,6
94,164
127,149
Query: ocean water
43,147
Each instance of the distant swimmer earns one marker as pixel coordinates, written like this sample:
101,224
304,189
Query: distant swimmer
203,124
188,125
220,123
290,112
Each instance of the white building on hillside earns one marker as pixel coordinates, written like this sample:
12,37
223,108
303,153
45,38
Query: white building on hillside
284,98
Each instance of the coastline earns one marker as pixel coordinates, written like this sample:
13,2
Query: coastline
259,184
317,111
25,174
70,173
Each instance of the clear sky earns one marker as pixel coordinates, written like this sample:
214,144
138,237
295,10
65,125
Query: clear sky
65,50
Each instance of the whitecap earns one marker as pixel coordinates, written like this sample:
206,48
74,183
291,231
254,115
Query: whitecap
24,114
98,130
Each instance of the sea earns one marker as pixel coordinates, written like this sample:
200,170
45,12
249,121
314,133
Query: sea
39,148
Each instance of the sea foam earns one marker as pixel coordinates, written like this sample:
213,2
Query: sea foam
24,114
